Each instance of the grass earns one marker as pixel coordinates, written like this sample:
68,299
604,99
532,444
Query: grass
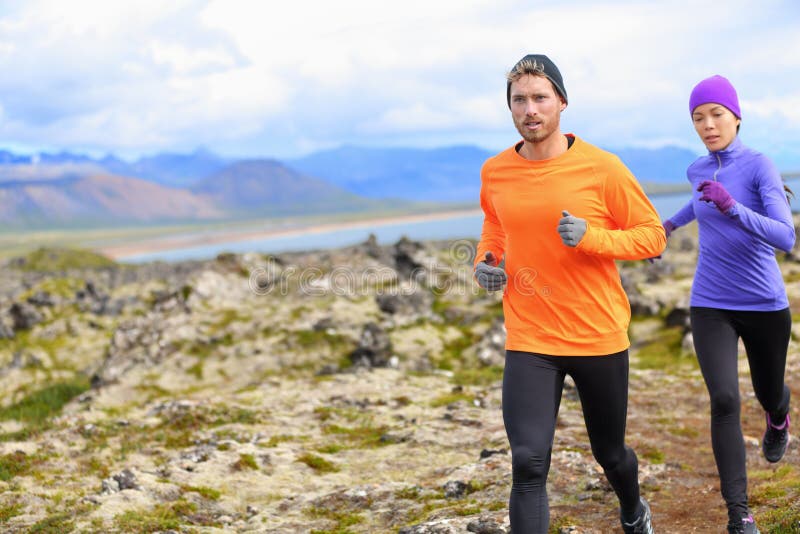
9,511
663,352
161,517
38,407
318,463
274,440
203,491
478,376
778,490
363,436
652,454
176,430
342,518
245,461
450,398
411,493
60,523
54,259
196,370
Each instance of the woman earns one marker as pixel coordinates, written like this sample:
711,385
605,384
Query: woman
743,215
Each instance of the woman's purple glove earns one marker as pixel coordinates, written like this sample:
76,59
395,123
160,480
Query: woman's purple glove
715,192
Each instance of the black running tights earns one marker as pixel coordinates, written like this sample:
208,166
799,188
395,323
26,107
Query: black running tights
532,385
765,336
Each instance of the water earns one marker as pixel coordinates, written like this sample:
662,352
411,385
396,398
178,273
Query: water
456,227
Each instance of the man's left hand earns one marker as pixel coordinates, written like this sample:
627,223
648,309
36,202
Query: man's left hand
571,229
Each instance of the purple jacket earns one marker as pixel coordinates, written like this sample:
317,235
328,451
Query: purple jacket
736,265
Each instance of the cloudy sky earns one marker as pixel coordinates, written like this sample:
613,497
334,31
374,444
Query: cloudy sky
280,79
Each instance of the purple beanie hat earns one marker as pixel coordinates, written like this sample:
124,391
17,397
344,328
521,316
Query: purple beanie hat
716,89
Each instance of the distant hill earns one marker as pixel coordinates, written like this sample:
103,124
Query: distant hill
175,170
66,188
441,174
267,185
665,165
453,173
97,199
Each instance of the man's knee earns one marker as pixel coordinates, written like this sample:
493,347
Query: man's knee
613,459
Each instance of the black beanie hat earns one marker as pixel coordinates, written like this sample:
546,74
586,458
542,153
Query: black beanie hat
550,71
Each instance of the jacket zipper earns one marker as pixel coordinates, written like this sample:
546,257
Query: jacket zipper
719,167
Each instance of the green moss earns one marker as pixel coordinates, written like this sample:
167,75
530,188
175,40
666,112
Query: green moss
58,286
478,376
783,520
96,466
342,518
52,259
496,506
314,338
468,509
208,493
227,317
766,493
176,430
440,305
331,448
273,441
245,461
196,370
684,431
10,510
360,437
161,517
317,463
186,292
779,487
60,523
410,493
24,341
560,524
653,455
450,398
451,356
663,352
40,405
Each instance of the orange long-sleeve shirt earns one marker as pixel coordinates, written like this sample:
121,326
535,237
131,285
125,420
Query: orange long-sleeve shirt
560,300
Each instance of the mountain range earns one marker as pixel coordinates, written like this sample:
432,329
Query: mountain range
57,189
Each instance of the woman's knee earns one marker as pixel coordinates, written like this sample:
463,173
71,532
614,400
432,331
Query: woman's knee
529,466
725,403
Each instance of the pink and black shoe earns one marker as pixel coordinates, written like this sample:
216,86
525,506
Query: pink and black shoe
776,439
743,525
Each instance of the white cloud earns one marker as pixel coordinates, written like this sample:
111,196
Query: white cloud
279,78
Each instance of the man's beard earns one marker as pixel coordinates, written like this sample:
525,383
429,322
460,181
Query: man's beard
542,134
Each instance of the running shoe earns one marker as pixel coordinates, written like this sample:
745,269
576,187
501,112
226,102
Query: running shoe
643,525
776,439
743,525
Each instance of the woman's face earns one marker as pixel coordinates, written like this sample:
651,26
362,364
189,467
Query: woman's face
715,124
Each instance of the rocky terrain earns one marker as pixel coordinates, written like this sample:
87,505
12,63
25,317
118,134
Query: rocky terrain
353,390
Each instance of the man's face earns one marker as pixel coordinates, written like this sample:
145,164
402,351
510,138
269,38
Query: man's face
536,108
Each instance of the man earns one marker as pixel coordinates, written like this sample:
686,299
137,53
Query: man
558,211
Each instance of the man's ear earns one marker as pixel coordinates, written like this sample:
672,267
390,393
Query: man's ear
563,103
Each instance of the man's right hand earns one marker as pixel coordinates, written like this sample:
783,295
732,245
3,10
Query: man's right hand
489,276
